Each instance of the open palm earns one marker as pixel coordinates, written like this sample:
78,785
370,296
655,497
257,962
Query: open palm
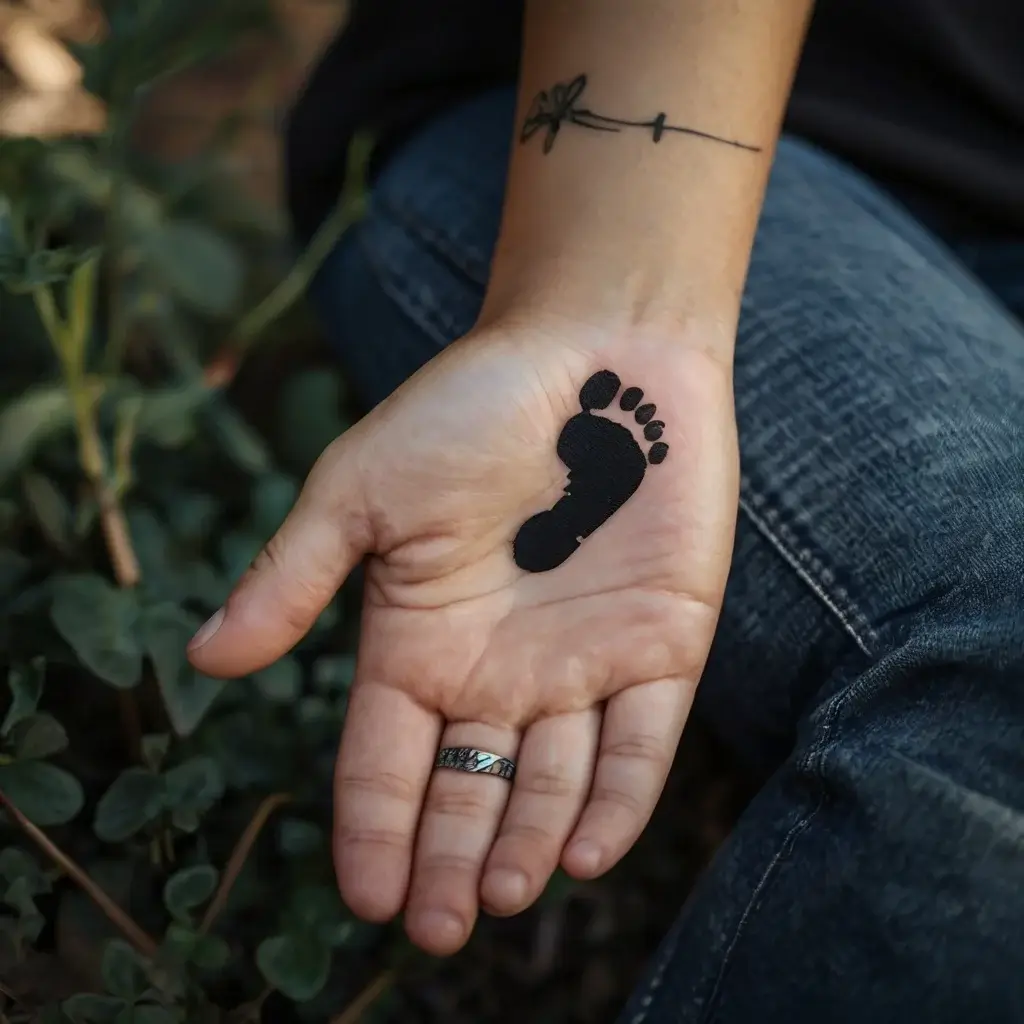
550,524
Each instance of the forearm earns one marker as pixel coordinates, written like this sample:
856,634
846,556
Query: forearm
649,223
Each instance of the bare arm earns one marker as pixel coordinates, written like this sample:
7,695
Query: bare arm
644,135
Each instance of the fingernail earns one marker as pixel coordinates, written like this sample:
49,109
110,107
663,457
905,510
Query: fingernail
441,926
505,888
206,630
585,856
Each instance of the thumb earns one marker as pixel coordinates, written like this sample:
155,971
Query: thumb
294,577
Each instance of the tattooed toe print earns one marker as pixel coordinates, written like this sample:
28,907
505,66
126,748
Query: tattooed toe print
606,465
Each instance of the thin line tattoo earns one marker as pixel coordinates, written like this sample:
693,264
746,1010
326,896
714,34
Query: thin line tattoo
553,108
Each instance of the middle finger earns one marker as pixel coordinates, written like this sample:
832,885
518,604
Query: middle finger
458,825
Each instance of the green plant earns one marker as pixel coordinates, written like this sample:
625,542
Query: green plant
186,819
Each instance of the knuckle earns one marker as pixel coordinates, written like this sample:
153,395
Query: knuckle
380,784
529,835
619,800
352,839
447,863
638,747
548,782
464,804
304,594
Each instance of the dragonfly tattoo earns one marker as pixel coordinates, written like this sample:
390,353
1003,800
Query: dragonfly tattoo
551,108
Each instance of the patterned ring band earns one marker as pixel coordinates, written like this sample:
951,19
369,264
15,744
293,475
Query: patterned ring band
469,759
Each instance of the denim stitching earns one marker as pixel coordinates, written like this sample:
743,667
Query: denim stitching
810,764
785,848
647,1000
432,319
461,253
815,575
809,568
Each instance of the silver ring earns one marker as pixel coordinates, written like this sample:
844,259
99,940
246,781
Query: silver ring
469,759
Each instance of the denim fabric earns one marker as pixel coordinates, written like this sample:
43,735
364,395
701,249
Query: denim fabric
870,657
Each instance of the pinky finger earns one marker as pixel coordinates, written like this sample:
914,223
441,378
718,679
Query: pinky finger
641,731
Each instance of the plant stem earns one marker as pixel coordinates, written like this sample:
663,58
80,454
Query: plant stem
118,325
90,448
346,211
68,339
143,942
366,998
239,856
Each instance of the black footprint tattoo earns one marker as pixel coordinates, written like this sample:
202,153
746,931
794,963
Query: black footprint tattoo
606,465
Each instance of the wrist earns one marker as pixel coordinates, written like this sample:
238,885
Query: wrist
676,310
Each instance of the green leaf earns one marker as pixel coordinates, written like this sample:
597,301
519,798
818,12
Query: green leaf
149,538
313,910
44,793
334,673
148,1014
99,622
123,973
296,837
236,438
188,889
188,694
211,953
15,864
29,420
87,1008
280,682
309,416
180,941
192,788
296,965
14,567
237,551
169,572
272,499
50,509
197,265
25,681
169,417
30,921
38,737
192,516
9,516
135,799
154,749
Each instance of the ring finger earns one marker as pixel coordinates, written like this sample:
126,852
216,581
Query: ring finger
556,766
459,822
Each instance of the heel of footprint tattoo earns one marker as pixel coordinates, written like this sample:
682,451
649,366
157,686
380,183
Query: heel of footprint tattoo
606,466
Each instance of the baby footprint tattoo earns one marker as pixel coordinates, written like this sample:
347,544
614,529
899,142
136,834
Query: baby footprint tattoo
606,465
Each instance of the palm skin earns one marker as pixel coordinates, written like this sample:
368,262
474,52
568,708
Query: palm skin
434,485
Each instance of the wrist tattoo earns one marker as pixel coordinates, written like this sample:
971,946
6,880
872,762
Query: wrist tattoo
606,465
551,108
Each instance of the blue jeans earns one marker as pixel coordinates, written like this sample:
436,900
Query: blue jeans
869,662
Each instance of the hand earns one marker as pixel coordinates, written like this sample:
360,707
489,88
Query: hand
583,672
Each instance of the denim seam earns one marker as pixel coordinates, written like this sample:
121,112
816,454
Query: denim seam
810,764
808,567
463,255
647,1000
812,571
430,319
784,850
